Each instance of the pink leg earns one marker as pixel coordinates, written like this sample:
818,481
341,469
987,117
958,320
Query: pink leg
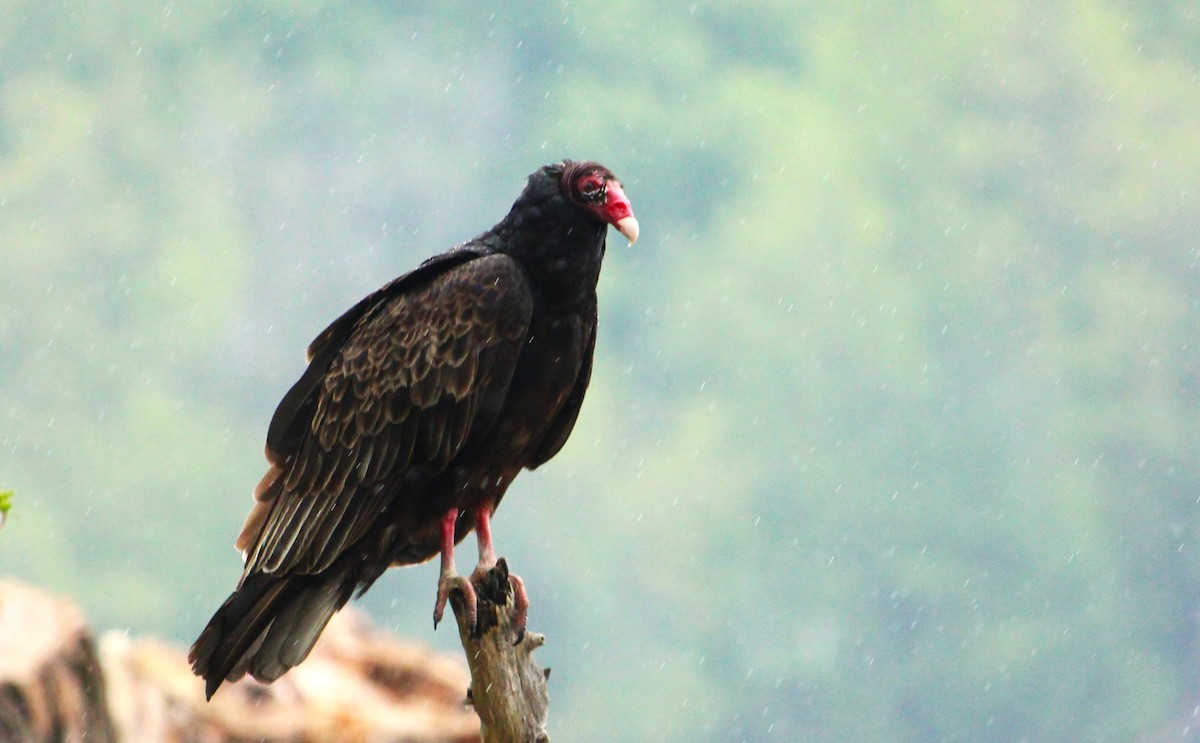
483,534
487,561
449,579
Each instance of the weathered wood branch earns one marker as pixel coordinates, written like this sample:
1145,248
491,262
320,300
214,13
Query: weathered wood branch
508,687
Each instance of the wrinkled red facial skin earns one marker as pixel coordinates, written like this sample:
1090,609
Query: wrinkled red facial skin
581,181
616,204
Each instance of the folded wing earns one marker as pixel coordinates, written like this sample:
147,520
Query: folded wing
409,383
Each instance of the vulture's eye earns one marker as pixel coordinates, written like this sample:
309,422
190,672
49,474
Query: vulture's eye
591,185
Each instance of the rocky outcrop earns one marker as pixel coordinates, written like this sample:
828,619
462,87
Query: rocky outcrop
359,684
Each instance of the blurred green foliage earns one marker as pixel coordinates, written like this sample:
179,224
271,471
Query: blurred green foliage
892,431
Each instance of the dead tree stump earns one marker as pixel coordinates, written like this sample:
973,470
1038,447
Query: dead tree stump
508,687
51,685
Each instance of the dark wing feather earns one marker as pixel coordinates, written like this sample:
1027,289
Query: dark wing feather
290,421
402,393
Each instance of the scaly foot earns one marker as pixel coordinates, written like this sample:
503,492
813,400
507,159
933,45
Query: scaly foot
446,585
521,605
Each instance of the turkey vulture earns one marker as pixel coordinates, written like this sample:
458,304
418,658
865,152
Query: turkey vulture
417,409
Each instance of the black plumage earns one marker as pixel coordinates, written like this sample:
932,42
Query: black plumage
418,408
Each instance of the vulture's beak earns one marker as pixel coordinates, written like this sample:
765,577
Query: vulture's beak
629,228
619,212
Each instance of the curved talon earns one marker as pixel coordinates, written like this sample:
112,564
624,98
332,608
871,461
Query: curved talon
520,606
451,583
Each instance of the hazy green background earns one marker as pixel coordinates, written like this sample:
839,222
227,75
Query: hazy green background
893,431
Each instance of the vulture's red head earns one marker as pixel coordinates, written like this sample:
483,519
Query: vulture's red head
594,188
558,225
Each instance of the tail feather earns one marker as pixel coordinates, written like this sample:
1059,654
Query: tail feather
292,635
268,625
